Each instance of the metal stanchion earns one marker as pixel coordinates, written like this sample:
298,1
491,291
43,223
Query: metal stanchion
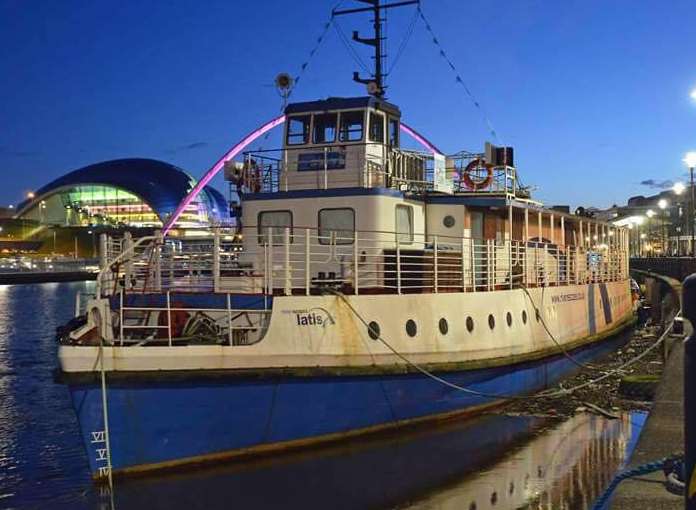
689,312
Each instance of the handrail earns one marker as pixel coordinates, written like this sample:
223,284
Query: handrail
110,263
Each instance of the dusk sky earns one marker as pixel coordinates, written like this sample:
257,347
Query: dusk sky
592,94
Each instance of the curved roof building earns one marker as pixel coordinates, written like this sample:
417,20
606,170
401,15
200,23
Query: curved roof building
135,192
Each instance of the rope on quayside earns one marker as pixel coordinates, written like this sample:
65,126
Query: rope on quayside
672,466
543,394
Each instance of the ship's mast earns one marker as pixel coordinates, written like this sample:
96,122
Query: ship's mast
375,84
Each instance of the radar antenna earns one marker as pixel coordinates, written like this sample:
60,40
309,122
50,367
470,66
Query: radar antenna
375,84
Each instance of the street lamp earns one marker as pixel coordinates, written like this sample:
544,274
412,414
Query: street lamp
662,204
678,188
690,162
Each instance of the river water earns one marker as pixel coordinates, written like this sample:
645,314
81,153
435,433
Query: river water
491,462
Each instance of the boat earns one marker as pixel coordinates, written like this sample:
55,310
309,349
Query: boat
364,287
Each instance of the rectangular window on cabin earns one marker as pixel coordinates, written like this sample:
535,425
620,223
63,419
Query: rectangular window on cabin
324,128
351,129
394,132
404,223
298,130
376,127
277,221
337,222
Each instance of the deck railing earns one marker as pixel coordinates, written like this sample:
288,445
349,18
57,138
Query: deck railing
284,261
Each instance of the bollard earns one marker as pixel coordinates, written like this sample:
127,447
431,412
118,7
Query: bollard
689,312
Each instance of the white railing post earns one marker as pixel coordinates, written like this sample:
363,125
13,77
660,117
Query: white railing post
229,319
128,269
326,167
77,303
463,266
509,254
435,272
159,243
356,263
473,264
546,264
398,265
169,319
288,275
308,271
490,265
120,322
269,237
216,259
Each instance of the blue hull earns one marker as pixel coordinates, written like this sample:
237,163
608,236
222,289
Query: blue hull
159,422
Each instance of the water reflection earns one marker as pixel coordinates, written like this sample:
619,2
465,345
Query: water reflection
565,467
493,462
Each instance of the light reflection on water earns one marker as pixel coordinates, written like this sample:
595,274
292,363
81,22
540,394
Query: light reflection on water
500,462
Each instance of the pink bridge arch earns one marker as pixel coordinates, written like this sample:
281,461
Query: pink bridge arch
242,144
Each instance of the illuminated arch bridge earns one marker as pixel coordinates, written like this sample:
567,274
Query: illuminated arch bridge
124,192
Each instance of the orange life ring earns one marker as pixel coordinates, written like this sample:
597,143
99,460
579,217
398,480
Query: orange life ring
477,164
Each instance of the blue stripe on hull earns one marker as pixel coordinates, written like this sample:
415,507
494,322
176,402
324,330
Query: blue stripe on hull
156,421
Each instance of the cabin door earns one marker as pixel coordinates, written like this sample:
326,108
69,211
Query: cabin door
480,254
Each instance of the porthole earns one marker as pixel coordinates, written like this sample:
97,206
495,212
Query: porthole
373,330
472,506
448,221
469,324
508,319
524,316
537,314
494,498
491,321
444,327
411,328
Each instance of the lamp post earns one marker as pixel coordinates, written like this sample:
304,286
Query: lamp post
690,161
662,204
650,213
678,189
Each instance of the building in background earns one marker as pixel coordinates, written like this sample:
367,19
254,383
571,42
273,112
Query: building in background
67,214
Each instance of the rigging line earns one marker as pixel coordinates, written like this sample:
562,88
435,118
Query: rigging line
304,66
458,77
404,41
351,50
543,394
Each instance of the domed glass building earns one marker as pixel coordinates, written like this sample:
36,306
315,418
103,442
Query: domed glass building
124,192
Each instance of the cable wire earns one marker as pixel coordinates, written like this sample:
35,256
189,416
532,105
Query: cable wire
458,77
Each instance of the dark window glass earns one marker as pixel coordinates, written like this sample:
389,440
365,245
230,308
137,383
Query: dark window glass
277,221
351,126
324,128
376,127
404,223
393,132
411,328
298,130
339,221
373,330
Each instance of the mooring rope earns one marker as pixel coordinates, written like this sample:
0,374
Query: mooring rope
106,418
543,394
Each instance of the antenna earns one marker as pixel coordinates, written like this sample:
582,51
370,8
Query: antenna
375,84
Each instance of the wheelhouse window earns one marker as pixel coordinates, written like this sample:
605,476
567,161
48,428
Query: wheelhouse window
351,129
394,132
337,222
404,223
277,221
376,127
324,128
298,130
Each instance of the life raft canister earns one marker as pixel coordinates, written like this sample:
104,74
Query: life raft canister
476,165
